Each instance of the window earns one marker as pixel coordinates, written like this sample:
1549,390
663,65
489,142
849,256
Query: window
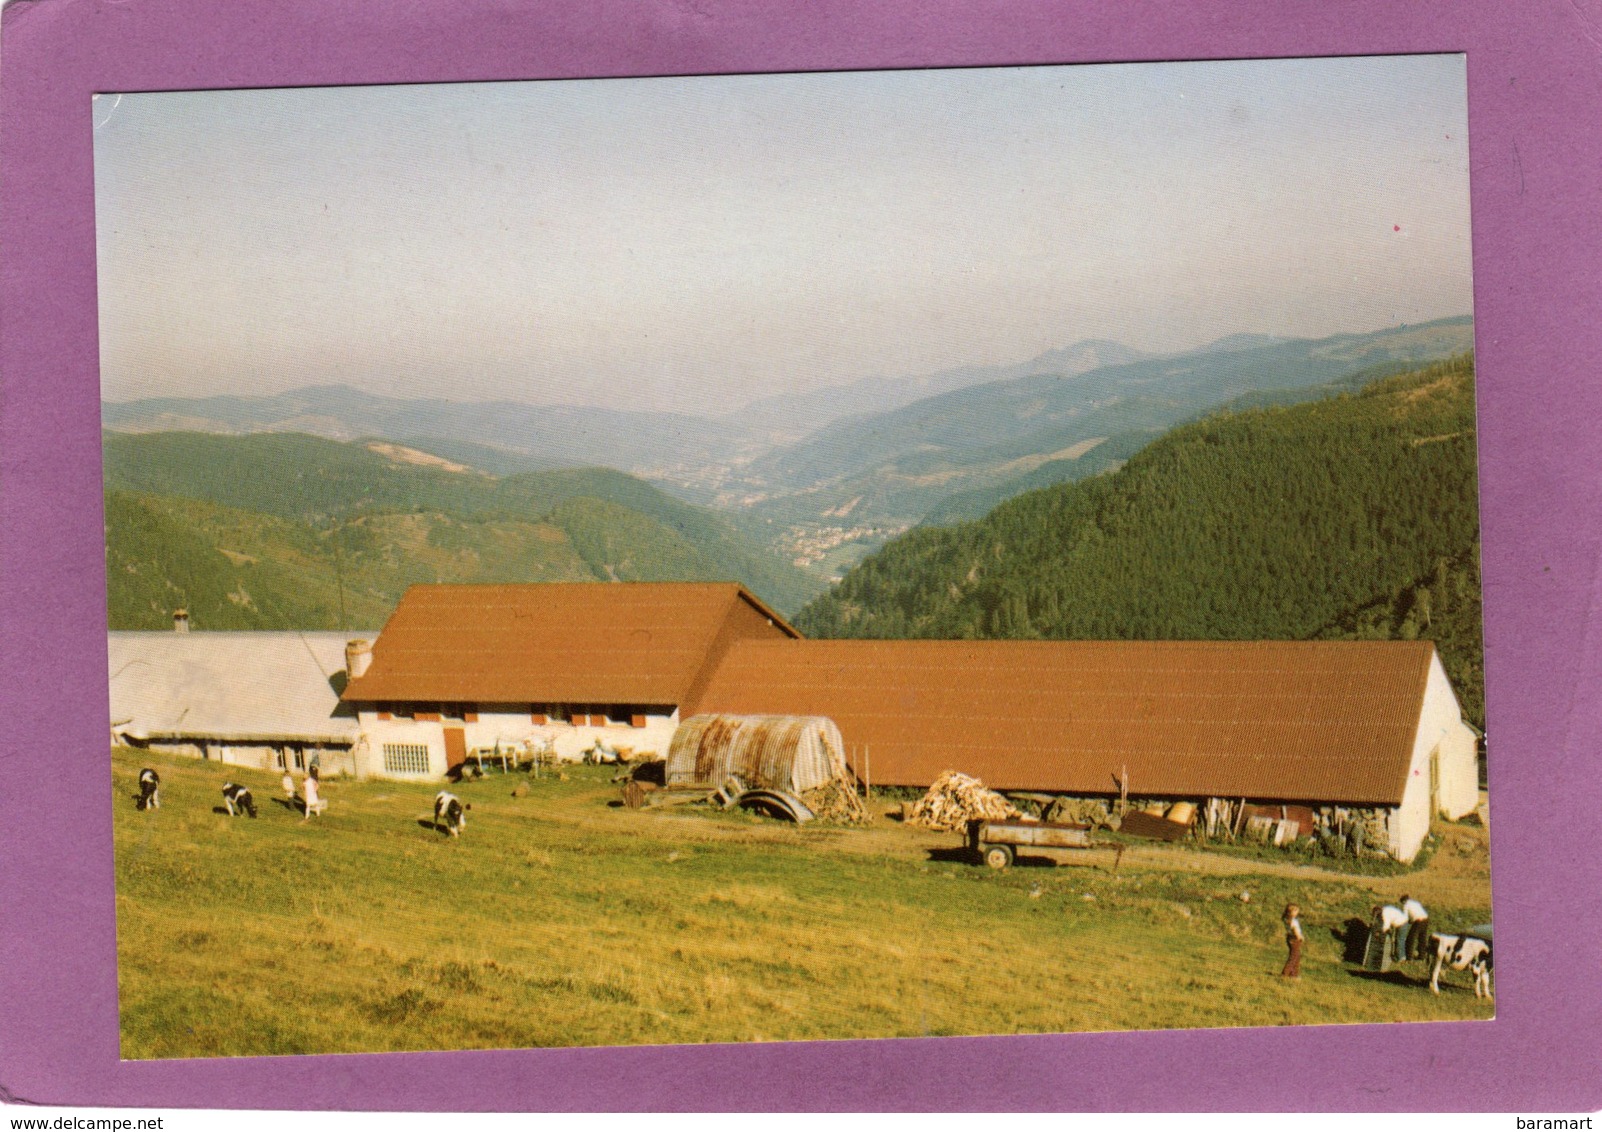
637,720
406,758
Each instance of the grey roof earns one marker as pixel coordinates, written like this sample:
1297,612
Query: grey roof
240,686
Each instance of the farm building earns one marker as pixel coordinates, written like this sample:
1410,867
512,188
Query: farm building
793,753
565,668
1369,724
561,666
263,700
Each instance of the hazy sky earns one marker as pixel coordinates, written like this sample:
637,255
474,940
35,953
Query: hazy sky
695,243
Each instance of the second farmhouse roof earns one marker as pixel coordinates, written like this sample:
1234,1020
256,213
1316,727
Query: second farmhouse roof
230,686
582,642
1328,720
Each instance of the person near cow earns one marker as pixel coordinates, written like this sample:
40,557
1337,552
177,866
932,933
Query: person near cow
1390,923
1418,928
314,803
1293,942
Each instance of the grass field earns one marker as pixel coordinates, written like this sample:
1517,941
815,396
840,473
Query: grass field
559,919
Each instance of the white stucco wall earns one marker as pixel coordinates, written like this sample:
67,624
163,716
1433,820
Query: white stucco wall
332,760
1443,736
510,729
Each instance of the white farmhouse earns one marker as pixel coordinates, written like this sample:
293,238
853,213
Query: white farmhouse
562,666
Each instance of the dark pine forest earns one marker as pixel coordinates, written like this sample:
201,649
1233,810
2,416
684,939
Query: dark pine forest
1353,517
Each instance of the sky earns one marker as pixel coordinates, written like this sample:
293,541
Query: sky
693,244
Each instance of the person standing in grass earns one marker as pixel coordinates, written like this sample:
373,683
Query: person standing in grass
1293,942
314,803
1390,924
1418,928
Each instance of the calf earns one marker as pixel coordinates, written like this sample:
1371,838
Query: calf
237,798
1459,952
450,812
149,783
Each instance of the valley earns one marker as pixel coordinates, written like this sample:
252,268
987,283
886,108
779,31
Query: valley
383,492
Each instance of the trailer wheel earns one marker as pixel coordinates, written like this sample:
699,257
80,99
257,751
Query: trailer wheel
998,856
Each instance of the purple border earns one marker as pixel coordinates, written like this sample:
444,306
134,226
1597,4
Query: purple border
1535,133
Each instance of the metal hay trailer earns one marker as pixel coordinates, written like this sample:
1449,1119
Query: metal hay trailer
997,843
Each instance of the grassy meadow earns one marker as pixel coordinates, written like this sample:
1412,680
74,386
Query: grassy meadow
561,919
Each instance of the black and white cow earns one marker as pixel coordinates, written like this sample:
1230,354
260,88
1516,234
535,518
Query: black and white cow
1461,952
450,812
149,786
238,798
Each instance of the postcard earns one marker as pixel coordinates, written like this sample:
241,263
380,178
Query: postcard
983,560
502,478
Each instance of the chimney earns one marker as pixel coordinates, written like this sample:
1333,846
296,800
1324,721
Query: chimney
180,621
358,655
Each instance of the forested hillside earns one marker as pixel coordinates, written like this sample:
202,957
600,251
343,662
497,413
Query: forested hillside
1354,516
288,531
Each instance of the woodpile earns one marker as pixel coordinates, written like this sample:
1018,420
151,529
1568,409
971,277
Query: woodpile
954,800
835,802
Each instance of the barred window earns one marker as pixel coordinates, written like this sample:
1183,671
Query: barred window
406,758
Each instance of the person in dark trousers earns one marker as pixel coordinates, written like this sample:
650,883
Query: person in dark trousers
1418,928
1390,925
1293,942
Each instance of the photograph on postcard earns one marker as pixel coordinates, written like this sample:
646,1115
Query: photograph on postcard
792,556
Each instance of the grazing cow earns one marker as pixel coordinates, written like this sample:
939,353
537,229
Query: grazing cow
451,812
237,798
1459,952
149,783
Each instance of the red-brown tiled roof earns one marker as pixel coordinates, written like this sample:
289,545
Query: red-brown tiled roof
644,643
1315,720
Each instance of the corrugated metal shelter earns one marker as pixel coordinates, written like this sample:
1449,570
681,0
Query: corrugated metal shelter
1365,723
784,752
234,695
635,642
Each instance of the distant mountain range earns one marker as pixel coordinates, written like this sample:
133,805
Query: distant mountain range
789,417
819,477
544,436
994,439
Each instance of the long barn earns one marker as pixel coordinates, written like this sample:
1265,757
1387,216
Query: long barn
1370,724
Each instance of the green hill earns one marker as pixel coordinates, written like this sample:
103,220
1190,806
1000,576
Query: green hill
286,531
1354,516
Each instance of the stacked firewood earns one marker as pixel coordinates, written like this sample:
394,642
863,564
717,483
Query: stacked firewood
835,801
954,800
